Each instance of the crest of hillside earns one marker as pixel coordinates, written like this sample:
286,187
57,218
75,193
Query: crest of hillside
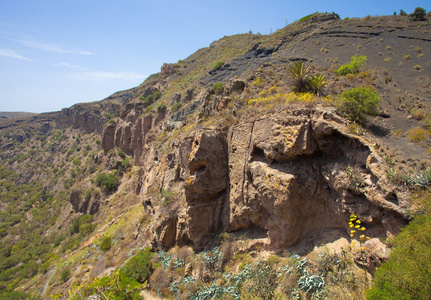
218,150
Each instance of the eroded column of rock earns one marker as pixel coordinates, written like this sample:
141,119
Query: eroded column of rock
206,187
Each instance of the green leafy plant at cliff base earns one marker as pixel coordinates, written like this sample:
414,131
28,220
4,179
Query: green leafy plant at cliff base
407,273
358,102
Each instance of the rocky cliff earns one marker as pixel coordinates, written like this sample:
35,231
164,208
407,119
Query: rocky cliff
281,177
218,145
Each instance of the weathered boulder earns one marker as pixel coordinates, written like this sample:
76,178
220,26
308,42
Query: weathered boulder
234,86
168,69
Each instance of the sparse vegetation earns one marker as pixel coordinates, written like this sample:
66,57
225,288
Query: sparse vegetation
305,18
418,135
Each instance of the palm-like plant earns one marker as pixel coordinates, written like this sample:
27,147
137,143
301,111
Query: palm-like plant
317,83
299,71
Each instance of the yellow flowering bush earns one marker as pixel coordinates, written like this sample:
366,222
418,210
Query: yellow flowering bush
356,229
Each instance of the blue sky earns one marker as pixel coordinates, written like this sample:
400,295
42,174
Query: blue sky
54,54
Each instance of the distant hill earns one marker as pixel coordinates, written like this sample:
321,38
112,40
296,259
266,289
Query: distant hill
15,115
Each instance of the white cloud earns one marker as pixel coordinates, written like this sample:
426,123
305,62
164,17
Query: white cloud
12,54
52,48
127,76
67,65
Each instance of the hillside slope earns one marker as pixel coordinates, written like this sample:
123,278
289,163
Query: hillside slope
219,162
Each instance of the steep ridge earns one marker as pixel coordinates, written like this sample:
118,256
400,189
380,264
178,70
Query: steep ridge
193,163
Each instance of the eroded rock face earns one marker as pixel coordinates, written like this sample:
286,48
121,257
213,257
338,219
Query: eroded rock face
206,187
287,176
86,204
80,116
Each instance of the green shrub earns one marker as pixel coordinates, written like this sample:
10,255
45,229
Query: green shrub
218,65
14,295
78,224
356,62
418,14
139,267
105,245
108,182
86,229
121,153
127,163
149,108
218,87
65,275
157,95
58,239
418,135
354,104
149,100
161,107
115,286
407,273
176,107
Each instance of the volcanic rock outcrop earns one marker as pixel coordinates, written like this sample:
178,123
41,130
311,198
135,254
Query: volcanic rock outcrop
284,175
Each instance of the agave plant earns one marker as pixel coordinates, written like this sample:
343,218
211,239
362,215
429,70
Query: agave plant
317,83
312,284
423,180
299,71
407,180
